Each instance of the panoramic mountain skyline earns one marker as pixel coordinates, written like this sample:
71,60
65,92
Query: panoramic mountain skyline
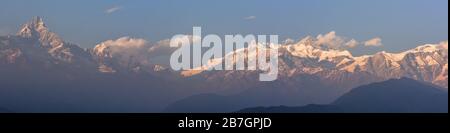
122,75
119,56
212,65
159,20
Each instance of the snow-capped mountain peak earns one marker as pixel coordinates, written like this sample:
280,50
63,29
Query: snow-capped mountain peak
426,62
33,28
36,32
306,49
428,48
37,29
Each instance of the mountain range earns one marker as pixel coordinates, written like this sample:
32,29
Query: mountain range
47,74
392,96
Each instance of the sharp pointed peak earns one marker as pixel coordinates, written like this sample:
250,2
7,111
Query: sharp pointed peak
38,20
31,28
37,29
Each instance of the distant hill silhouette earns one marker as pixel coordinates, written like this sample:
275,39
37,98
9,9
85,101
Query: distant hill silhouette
203,103
269,94
392,96
312,108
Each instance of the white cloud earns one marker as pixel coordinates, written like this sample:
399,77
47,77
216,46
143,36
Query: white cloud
125,43
352,43
375,42
250,17
112,9
124,48
163,46
332,41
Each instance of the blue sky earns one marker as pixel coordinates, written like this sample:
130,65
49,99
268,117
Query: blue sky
402,24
